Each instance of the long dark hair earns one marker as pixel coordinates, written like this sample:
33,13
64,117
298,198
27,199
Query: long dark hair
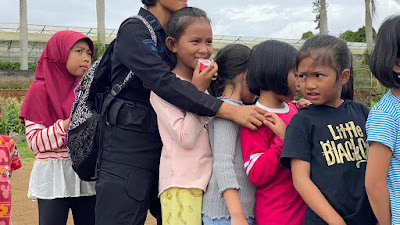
231,60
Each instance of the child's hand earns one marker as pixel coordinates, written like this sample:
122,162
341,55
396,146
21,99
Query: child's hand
203,79
66,124
301,103
276,124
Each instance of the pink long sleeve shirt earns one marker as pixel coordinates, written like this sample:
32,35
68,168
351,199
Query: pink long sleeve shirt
277,201
186,158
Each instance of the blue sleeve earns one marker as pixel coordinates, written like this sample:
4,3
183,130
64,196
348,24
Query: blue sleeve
381,127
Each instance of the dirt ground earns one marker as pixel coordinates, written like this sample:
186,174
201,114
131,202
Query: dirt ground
24,211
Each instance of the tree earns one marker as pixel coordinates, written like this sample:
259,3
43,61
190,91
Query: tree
358,36
101,27
307,35
321,18
369,12
23,34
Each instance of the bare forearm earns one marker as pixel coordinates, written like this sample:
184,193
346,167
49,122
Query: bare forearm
375,181
380,202
233,203
317,201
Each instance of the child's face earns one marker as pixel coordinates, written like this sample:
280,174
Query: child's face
79,58
195,43
318,83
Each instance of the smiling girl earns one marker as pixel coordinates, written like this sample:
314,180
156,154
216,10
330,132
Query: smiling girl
186,160
45,112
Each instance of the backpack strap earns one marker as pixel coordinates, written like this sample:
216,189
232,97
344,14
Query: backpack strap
118,87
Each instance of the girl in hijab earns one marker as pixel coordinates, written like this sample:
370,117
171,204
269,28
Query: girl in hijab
45,113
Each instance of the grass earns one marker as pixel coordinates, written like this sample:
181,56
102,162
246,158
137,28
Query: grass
25,152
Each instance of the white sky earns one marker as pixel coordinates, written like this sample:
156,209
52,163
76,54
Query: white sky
260,18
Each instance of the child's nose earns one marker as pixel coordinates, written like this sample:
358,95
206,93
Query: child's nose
310,84
86,57
203,49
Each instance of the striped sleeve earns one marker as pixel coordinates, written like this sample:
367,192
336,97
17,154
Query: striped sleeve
42,139
381,127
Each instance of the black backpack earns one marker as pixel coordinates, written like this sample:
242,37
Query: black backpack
84,132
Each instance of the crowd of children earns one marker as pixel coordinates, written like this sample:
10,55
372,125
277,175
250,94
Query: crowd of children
320,160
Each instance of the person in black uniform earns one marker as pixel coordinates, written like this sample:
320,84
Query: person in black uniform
128,166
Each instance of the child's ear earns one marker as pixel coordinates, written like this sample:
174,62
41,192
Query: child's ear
170,42
345,76
243,77
396,66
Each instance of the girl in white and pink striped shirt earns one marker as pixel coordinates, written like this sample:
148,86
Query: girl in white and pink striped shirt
45,112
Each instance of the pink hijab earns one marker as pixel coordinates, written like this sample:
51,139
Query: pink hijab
50,96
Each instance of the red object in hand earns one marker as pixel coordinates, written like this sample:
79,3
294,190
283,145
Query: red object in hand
204,63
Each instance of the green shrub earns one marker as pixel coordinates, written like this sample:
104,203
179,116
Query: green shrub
16,65
10,123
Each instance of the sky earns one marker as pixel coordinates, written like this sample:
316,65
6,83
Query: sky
255,18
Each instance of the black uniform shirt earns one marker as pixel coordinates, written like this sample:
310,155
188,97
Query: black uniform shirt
134,50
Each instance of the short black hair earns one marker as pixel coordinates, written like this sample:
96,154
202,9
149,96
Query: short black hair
149,3
332,52
386,52
269,65
232,60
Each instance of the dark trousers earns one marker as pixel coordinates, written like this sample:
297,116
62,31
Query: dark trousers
55,211
125,193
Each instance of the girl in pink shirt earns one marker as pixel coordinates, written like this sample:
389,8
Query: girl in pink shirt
271,75
186,160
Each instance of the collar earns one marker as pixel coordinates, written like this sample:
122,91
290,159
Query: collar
151,19
281,111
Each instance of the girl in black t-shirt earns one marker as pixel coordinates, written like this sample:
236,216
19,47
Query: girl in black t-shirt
325,143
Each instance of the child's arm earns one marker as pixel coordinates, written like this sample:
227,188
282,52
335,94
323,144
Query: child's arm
261,158
42,139
375,181
234,205
310,193
224,145
183,127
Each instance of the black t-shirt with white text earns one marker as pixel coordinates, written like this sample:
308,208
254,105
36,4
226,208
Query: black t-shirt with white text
333,141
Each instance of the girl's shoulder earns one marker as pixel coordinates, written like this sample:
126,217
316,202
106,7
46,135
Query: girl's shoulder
230,101
358,106
387,103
